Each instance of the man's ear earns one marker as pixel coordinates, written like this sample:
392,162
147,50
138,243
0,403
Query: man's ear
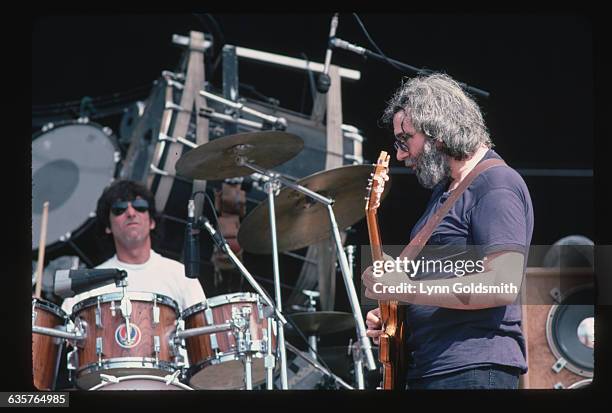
152,226
107,230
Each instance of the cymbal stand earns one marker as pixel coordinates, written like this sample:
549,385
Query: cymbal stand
312,340
366,345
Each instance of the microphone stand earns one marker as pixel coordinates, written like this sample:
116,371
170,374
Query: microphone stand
343,44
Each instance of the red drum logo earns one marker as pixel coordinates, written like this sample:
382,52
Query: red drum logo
121,336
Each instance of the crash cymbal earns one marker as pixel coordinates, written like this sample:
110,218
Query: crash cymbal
301,221
320,322
217,159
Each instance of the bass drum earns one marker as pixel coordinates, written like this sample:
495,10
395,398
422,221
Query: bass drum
72,163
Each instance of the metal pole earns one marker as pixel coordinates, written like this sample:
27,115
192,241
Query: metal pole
269,361
248,381
354,301
358,365
271,187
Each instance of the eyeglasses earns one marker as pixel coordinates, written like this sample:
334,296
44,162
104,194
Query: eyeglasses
400,143
119,207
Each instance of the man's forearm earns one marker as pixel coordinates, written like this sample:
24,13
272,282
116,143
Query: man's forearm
472,292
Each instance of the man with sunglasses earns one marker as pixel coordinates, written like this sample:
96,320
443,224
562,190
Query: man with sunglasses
127,221
457,340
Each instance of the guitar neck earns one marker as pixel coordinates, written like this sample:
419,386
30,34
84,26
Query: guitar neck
374,235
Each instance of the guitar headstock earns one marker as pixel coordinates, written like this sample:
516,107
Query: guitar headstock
376,185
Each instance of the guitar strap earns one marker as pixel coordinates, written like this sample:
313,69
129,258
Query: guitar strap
418,242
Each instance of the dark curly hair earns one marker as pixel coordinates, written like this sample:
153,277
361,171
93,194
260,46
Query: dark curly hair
123,190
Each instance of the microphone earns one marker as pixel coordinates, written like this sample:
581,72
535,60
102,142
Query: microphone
343,44
323,81
68,283
217,238
191,248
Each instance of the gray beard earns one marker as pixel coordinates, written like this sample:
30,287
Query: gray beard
432,166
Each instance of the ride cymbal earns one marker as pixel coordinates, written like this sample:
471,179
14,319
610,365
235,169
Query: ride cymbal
218,159
302,221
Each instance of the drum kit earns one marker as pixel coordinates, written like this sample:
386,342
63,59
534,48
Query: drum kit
134,340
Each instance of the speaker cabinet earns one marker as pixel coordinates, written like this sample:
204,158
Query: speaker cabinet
558,324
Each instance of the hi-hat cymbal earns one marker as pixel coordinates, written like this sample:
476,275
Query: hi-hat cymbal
301,221
321,322
217,159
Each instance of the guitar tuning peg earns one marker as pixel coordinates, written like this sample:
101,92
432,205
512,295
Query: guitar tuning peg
372,174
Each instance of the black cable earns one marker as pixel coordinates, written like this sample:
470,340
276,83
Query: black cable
380,51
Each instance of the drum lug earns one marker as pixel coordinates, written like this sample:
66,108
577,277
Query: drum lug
72,359
99,313
155,312
558,386
213,337
260,314
99,350
156,348
264,340
559,365
107,378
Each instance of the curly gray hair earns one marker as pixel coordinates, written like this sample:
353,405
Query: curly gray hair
440,109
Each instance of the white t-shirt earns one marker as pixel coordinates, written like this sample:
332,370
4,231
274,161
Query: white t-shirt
159,275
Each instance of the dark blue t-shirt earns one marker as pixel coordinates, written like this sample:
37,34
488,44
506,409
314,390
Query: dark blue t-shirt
494,213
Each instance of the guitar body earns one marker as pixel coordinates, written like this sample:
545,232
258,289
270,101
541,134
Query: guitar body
392,353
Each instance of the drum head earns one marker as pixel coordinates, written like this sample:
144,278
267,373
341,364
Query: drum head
71,165
226,373
141,382
565,331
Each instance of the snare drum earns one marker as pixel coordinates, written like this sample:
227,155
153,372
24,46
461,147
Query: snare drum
141,382
214,359
46,350
106,349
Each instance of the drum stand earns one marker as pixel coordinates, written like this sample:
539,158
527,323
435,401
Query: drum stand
273,185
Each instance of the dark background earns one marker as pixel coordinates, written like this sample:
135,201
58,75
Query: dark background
537,67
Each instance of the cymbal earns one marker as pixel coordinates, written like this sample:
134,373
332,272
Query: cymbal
320,322
302,221
217,159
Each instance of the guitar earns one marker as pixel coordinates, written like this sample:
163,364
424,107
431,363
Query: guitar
391,350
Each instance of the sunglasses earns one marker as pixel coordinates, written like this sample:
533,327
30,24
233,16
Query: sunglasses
119,207
400,144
